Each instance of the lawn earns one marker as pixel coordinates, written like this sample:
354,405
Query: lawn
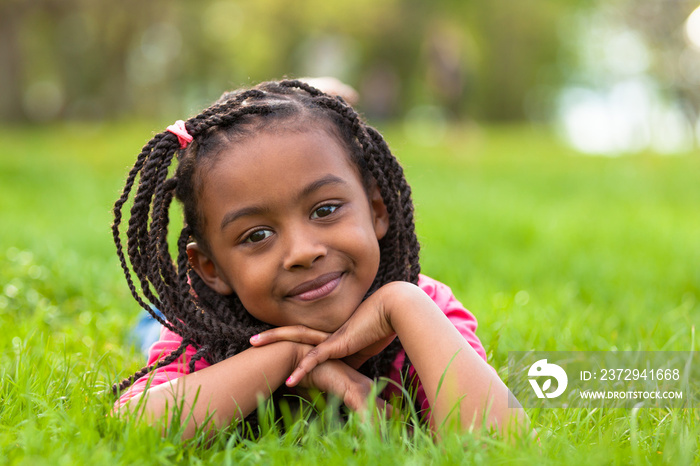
551,250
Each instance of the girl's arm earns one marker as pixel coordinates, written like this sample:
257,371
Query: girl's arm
226,390
460,385
232,388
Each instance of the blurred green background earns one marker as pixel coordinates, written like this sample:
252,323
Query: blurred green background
615,76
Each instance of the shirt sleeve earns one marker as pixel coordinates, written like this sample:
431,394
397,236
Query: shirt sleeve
463,320
166,344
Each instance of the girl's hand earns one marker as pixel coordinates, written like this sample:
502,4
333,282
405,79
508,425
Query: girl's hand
368,330
295,333
310,336
341,380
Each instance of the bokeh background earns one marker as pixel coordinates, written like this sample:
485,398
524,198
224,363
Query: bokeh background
616,76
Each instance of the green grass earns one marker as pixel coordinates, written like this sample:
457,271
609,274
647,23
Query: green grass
551,250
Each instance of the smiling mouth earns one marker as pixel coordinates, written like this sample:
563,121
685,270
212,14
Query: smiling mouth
317,288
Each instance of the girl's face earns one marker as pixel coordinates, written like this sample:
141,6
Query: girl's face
291,229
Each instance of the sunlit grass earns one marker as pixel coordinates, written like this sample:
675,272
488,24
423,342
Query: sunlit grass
551,251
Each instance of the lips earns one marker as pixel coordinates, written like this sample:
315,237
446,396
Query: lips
317,288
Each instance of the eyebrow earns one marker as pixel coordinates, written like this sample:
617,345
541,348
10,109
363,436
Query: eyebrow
309,189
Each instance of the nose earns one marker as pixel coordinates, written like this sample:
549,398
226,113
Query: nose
303,249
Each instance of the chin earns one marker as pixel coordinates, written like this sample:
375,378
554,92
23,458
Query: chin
325,327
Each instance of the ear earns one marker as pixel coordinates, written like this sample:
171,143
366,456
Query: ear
207,269
380,216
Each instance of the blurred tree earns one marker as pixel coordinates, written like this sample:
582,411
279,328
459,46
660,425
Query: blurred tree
11,17
675,63
516,40
87,59
15,18
634,78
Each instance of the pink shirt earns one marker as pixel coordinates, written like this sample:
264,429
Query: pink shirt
462,319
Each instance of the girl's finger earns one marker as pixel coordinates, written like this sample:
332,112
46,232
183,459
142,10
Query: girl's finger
295,333
314,357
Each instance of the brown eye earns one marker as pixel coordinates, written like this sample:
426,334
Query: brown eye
324,211
258,236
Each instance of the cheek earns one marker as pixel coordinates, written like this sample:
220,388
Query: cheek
254,294
247,278
367,250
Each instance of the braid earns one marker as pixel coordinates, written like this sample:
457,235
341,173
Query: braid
124,384
409,240
219,326
137,168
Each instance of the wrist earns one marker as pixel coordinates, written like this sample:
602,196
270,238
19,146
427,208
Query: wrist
289,353
397,295
299,350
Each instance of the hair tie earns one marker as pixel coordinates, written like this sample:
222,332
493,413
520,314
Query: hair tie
179,130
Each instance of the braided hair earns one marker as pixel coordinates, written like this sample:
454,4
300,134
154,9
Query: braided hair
219,326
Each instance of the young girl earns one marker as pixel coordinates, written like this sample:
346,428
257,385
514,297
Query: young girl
297,267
